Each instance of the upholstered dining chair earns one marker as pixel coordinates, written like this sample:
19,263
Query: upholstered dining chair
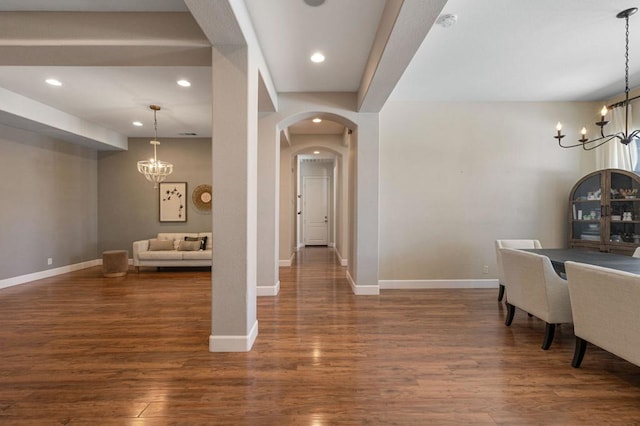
605,310
535,287
515,244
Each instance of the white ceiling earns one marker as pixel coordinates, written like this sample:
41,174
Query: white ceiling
525,50
513,50
114,97
290,32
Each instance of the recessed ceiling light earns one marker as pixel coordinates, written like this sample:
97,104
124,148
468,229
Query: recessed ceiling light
316,152
137,124
317,57
317,120
184,83
53,82
314,3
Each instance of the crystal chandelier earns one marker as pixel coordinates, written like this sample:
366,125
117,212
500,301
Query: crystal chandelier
153,169
623,137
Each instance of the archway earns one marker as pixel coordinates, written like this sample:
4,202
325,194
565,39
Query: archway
362,161
297,151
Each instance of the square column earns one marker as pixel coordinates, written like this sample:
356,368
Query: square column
234,324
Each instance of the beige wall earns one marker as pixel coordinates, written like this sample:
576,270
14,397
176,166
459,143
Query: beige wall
456,176
49,203
128,203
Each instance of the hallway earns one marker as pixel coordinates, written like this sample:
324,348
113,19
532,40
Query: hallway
81,349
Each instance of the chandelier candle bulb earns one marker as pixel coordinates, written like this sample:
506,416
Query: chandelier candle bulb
602,121
559,129
583,133
603,112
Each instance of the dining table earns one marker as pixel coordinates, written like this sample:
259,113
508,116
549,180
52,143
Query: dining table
559,256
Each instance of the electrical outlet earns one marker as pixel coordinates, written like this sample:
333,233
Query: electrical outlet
485,269
50,261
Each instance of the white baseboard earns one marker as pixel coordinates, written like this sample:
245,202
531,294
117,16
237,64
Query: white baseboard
433,284
268,290
9,282
234,343
284,263
343,262
363,290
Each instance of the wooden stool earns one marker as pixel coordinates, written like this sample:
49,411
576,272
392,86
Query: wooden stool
115,263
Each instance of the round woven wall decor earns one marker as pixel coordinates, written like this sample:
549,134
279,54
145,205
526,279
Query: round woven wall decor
201,197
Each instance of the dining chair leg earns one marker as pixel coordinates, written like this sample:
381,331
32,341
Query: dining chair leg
500,292
578,353
549,331
511,310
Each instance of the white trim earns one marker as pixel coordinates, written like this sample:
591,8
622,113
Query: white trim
284,263
362,290
331,245
268,290
234,343
9,282
432,284
343,262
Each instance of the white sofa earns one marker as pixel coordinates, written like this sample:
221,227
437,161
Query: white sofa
178,254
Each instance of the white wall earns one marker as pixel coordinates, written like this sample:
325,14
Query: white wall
456,176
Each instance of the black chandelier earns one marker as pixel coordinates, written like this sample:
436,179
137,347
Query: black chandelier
624,137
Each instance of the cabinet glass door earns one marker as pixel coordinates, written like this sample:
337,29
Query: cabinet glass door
624,226
587,209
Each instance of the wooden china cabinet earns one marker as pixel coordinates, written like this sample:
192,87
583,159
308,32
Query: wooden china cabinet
604,212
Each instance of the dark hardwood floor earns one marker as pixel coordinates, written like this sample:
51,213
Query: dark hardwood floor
82,349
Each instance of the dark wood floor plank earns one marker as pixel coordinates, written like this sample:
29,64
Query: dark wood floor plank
83,349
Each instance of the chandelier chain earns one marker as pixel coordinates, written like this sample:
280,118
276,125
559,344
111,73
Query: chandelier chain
626,55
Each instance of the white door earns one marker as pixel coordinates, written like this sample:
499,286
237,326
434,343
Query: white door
315,210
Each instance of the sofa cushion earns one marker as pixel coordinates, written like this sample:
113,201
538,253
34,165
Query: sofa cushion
197,255
209,236
189,245
201,240
161,255
176,237
160,245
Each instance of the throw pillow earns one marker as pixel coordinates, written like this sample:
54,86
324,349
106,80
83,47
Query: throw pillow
203,241
189,246
158,245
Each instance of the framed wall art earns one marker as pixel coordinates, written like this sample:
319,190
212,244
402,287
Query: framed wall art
173,201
